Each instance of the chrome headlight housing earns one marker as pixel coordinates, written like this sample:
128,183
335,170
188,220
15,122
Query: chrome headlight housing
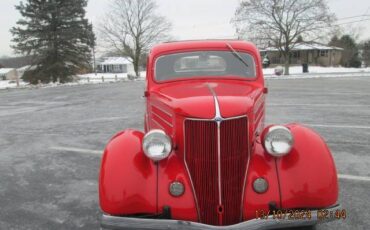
278,140
157,145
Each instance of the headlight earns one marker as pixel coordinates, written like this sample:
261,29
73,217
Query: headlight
278,141
157,145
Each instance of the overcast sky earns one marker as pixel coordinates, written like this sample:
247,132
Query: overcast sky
191,19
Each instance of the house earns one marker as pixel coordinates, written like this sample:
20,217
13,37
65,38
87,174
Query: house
8,74
306,53
115,65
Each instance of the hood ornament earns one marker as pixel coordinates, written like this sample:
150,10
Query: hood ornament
218,119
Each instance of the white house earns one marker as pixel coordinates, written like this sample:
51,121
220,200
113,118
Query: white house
8,74
115,65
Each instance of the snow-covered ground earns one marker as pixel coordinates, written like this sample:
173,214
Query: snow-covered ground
106,77
295,73
11,84
319,70
90,78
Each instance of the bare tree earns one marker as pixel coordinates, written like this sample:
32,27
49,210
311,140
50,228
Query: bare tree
131,27
279,23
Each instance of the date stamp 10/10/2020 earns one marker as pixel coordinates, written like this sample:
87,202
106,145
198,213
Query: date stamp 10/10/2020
295,214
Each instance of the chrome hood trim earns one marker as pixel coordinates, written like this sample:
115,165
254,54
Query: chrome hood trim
218,117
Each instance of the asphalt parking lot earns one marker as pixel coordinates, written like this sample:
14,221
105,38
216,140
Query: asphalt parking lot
50,142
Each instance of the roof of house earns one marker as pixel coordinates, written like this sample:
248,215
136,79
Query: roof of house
307,46
5,70
26,68
115,61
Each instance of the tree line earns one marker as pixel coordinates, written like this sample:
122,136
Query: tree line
61,41
284,23
353,53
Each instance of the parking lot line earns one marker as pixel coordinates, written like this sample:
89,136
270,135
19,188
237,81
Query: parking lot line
339,126
322,105
77,150
321,93
350,177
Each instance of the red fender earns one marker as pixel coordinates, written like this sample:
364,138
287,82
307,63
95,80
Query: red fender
128,179
307,176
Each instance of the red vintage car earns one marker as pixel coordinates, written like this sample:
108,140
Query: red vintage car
206,159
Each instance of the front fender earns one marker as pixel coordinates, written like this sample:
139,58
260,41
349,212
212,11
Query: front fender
128,179
307,176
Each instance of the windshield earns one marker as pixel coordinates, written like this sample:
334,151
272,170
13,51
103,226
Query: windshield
223,64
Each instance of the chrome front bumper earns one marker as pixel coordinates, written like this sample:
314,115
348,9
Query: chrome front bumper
115,222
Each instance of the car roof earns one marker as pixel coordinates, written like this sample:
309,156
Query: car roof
202,44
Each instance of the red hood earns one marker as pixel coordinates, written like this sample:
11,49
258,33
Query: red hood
195,99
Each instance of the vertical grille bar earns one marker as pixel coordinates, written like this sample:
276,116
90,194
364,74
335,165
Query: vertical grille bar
201,156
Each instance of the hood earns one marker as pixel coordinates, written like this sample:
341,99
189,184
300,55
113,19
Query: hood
197,99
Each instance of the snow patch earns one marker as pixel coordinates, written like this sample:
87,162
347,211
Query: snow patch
318,70
11,84
82,79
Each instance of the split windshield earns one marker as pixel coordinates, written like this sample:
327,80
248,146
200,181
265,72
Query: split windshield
200,64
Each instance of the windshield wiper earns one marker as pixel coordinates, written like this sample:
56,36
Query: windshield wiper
237,55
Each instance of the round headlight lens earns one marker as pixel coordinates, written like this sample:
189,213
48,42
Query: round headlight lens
278,141
157,145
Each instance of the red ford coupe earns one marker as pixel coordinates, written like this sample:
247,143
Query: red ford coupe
206,159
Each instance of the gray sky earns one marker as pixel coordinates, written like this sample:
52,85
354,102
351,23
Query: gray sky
192,19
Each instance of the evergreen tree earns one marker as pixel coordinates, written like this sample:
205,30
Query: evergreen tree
334,41
350,54
366,53
58,36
